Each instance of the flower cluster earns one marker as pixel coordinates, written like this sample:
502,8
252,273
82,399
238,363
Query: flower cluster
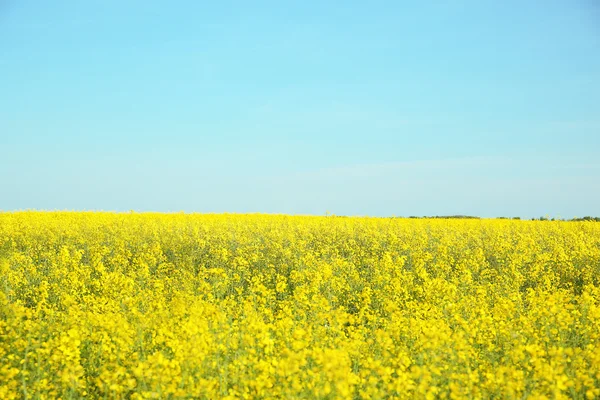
186,306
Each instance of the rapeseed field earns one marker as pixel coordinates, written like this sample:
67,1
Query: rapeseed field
186,306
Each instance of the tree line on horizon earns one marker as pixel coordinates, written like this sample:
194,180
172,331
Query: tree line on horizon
575,219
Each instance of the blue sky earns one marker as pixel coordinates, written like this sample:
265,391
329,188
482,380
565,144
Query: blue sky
360,108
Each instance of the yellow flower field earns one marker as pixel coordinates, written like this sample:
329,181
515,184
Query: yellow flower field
185,306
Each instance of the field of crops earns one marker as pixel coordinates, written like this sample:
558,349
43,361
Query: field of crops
106,305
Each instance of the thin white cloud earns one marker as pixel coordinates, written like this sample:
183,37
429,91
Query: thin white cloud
378,169
448,165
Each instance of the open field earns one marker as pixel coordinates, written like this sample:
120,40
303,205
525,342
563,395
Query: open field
104,305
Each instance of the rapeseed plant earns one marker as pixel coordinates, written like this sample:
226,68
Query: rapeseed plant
175,306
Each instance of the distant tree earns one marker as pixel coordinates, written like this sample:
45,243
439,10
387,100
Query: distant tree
586,218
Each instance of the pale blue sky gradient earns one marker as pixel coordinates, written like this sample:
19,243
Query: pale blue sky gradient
382,108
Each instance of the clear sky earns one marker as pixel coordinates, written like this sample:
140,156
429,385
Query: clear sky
487,108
